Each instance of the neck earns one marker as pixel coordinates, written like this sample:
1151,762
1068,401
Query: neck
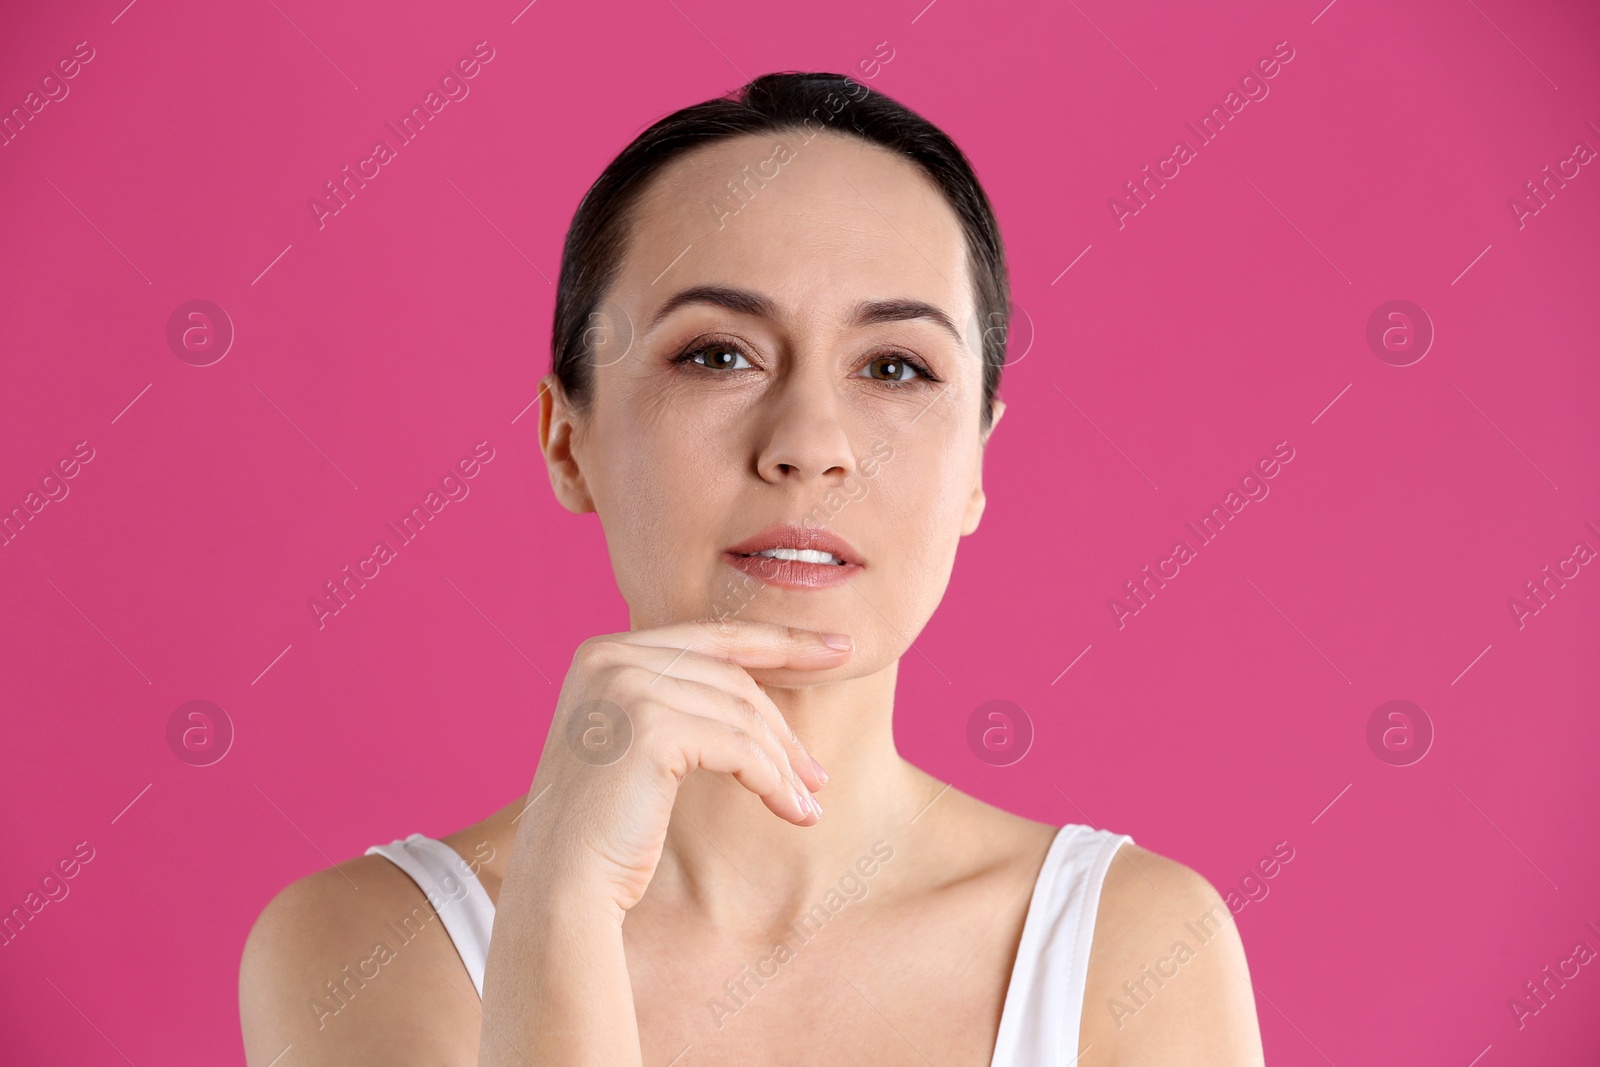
744,869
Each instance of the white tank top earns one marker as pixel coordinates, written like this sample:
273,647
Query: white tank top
1044,1000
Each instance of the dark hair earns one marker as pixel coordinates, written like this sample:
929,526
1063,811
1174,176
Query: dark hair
773,103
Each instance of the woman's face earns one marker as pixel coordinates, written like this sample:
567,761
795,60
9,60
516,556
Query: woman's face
827,375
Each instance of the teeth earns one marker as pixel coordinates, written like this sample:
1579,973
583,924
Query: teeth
804,555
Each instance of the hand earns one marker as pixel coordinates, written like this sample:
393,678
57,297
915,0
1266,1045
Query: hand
638,712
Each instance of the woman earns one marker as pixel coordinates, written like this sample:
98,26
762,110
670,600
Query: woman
775,372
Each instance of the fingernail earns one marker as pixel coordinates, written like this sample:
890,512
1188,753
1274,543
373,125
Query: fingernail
839,641
801,798
822,775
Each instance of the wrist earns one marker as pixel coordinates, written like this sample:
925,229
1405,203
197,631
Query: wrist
544,878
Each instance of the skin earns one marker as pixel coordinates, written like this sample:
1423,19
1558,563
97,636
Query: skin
628,894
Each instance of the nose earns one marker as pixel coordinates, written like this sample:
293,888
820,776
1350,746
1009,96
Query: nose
804,434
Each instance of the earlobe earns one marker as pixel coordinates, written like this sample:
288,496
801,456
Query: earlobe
976,503
975,506
555,441
998,409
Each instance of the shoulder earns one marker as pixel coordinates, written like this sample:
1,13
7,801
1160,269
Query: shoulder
1167,979
326,970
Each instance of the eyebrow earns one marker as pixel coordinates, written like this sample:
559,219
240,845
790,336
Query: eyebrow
748,302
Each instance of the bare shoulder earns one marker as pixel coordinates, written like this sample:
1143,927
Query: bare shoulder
1167,980
350,965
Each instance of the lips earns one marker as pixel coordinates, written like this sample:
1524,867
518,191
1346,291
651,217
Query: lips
795,573
791,535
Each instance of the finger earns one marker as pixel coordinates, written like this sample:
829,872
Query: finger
749,643
715,745
668,662
714,701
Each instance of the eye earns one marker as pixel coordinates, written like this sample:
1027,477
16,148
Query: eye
720,355
894,368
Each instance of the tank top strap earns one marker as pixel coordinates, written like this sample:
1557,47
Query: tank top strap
1043,1008
453,891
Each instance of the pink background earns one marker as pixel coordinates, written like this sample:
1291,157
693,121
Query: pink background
1227,315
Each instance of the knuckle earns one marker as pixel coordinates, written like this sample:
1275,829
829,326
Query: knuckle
632,677
735,679
650,725
598,651
750,749
649,710
739,680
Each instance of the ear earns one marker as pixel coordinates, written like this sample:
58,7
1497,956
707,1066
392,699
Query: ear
976,502
557,428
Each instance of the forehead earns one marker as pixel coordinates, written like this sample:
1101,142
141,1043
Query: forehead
819,226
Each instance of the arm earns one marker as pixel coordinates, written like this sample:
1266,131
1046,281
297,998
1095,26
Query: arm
1168,982
556,986
314,980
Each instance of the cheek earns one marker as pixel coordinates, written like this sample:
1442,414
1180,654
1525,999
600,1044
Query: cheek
645,459
912,512
660,495
943,481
